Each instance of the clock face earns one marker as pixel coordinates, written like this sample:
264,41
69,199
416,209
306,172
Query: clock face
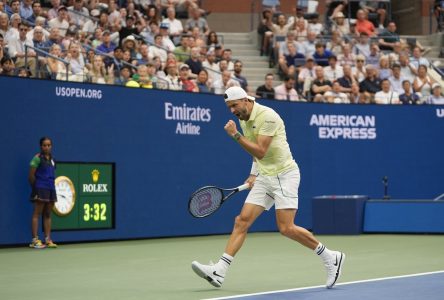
66,196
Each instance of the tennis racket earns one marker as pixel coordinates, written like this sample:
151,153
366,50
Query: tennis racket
208,199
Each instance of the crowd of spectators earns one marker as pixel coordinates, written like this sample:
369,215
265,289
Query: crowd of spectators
136,43
168,44
357,56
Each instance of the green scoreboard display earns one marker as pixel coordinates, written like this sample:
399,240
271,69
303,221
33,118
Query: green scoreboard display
85,196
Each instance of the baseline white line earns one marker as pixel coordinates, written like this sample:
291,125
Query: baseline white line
323,286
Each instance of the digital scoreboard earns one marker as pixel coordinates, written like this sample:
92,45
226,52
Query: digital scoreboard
85,196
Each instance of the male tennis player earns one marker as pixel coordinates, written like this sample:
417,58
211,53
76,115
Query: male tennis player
274,179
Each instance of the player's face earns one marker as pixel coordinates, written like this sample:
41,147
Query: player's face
239,109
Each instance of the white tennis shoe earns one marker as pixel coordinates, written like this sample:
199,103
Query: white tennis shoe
334,268
209,273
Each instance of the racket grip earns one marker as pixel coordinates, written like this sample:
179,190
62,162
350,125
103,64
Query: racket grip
243,187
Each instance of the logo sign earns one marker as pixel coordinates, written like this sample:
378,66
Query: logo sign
440,112
187,117
95,187
80,93
346,127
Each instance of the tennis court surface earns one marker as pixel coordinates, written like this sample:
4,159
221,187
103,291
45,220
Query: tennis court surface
160,269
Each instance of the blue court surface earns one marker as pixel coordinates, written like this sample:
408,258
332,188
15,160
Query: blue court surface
429,286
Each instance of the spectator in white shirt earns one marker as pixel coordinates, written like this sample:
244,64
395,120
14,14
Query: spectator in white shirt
61,21
386,95
158,50
333,71
416,60
335,95
17,49
175,26
220,86
436,96
396,79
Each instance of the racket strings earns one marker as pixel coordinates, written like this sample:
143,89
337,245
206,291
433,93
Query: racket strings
205,201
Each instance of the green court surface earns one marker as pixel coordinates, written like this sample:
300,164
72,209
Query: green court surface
160,268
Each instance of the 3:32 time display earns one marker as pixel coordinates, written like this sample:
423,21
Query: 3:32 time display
94,212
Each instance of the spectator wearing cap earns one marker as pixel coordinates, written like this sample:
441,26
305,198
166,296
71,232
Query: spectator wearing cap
61,22
408,96
158,50
226,81
194,61
187,84
52,12
107,46
166,41
333,71
175,26
124,76
340,24
130,44
7,66
197,21
266,91
321,55
306,76
210,65
183,51
17,49
128,30
286,90
78,14
436,97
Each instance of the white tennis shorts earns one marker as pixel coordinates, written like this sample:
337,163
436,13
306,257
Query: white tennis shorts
280,190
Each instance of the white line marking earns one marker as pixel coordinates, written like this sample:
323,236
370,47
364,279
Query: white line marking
323,286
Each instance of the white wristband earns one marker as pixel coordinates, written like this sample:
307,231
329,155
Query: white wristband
254,171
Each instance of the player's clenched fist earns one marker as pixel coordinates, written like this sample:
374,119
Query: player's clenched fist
230,128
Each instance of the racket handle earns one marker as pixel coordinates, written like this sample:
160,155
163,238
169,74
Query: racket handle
243,187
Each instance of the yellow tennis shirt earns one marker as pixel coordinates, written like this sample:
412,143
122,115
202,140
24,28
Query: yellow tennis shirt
265,121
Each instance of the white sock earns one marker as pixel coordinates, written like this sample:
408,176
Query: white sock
323,252
223,263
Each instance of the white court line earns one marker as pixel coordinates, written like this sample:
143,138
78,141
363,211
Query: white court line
323,286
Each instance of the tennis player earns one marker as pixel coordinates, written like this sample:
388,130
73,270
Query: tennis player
274,180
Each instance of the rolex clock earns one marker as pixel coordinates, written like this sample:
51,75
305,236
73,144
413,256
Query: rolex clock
66,196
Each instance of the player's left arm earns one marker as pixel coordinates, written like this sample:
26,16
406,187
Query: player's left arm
258,149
